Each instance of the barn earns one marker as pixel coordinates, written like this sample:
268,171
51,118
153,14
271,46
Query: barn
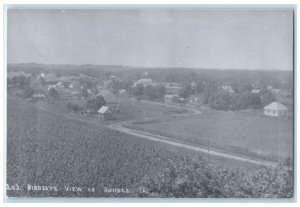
276,109
105,113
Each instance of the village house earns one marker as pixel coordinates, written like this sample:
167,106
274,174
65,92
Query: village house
170,98
228,89
144,81
38,97
111,100
276,109
255,91
51,86
105,113
172,88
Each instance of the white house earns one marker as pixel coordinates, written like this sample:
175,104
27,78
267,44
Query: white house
228,89
276,109
105,113
144,81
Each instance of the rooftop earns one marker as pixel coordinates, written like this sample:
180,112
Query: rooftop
276,106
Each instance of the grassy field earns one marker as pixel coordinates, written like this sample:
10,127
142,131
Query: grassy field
44,150
248,133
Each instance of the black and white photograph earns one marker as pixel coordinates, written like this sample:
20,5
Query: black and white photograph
150,103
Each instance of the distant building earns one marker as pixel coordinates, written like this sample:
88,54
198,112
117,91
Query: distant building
255,91
60,85
105,113
228,89
144,81
49,78
276,109
194,99
122,91
38,97
51,86
173,88
111,100
275,90
169,99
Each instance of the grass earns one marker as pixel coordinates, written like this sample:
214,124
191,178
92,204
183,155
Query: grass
239,132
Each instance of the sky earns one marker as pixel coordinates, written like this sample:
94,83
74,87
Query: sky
224,39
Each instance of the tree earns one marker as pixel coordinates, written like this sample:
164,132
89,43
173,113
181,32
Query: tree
95,103
53,92
185,91
266,98
83,92
72,106
160,91
28,92
138,90
149,91
199,87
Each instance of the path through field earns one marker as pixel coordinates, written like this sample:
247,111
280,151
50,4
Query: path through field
166,140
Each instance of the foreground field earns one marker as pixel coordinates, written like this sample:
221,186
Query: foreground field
49,152
247,133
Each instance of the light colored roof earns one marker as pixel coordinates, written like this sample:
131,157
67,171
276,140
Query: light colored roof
255,91
169,96
103,110
144,81
276,106
39,95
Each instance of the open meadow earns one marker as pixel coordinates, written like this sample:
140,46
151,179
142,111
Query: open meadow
246,133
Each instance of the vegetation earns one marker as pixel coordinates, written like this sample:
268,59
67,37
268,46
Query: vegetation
95,103
47,149
150,92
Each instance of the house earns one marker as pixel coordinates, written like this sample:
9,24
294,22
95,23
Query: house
49,78
255,91
51,86
144,81
275,90
111,100
169,99
228,89
172,88
276,109
194,99
105,113
38,97
60,85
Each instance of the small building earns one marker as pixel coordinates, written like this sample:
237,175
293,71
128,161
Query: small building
228,89
105,113
173,88
276,109
51,86
255,91
144,81
275,90
169,99
38,97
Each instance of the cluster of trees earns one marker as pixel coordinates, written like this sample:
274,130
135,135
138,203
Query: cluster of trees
20,80
242,98
150,92
95,103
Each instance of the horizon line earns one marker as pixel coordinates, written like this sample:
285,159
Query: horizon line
155,67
